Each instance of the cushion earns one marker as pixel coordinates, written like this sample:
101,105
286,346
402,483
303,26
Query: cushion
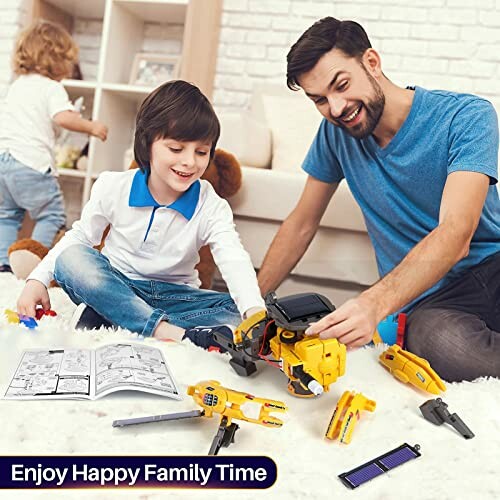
270,195
247,138
294,121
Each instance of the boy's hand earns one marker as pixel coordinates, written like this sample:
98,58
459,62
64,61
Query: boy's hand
99,130
34,293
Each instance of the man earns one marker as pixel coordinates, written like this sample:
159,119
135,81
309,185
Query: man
422,165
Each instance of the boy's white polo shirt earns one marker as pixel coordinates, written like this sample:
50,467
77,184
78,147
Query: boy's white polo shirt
149,241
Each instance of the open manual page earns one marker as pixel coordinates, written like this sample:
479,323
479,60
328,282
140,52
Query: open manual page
91,374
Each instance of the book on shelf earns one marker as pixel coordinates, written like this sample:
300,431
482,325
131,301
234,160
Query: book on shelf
74,373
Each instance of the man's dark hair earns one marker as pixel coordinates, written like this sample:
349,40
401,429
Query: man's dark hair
177,110
324,35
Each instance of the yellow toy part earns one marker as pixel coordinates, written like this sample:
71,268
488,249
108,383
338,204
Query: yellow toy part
346,415
311,364
246,327
214,398
412,369
12,316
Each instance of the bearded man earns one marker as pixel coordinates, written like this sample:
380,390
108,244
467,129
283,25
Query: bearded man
422,165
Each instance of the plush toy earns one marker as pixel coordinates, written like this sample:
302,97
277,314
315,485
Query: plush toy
223,172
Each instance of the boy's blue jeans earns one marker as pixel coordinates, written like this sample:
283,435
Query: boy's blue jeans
138,305
22,190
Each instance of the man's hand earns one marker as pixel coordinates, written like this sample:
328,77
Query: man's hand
99,130
34,293
353,323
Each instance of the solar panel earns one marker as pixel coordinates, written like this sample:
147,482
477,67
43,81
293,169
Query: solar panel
302,307
379,465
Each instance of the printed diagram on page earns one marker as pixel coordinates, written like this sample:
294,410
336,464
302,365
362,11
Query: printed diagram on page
133,364
90,374
52,372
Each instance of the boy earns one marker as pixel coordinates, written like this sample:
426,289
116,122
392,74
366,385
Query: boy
159,217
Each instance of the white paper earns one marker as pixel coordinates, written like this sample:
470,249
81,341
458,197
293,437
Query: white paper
84,373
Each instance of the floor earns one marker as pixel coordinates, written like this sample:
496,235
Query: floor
450,467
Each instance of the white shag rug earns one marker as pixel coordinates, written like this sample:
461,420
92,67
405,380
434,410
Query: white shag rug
450,466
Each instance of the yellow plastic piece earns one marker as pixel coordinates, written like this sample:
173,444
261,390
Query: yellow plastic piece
214,398
346,415
322,359
12,316
246,326
412,369
377,339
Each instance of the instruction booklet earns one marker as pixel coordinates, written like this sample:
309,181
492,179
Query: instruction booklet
90,374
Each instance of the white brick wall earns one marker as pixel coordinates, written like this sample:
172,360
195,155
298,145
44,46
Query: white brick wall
451,44
165,38
12,16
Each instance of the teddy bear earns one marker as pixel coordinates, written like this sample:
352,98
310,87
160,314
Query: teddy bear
223,172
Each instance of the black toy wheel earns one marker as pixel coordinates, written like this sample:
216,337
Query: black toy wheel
288,337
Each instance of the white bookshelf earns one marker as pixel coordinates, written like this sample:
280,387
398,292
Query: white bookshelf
110,98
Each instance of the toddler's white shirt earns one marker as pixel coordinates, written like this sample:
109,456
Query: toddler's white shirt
148,241
26,125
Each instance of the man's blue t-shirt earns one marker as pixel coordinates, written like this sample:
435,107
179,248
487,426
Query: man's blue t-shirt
399,187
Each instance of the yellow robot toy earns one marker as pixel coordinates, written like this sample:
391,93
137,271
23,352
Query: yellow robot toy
277,337
213,398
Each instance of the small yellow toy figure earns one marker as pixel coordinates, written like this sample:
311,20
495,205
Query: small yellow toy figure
12,316
214,398
347,414
411,369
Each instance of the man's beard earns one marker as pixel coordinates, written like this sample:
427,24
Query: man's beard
374,109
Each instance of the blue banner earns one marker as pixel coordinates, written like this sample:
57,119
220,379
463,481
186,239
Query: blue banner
19,472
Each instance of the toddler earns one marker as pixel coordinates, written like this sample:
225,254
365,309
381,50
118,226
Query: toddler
36,100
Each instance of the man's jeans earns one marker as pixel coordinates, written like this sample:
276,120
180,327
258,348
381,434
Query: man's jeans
22,190
457,328
138,305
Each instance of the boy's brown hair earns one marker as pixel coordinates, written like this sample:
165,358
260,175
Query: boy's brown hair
176,109
47,49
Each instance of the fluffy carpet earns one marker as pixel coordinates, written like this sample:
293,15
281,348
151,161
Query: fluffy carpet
450,467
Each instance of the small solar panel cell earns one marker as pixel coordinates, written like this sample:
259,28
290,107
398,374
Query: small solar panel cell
398,458
364,474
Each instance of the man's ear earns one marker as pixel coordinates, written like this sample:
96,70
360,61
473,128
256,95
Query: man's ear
372,62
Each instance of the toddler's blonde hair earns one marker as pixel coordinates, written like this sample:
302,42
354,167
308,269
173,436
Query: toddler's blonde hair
45,48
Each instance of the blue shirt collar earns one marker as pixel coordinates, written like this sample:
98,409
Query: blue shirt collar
140,196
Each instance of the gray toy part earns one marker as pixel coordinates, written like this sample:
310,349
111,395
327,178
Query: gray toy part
159,418
435,411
